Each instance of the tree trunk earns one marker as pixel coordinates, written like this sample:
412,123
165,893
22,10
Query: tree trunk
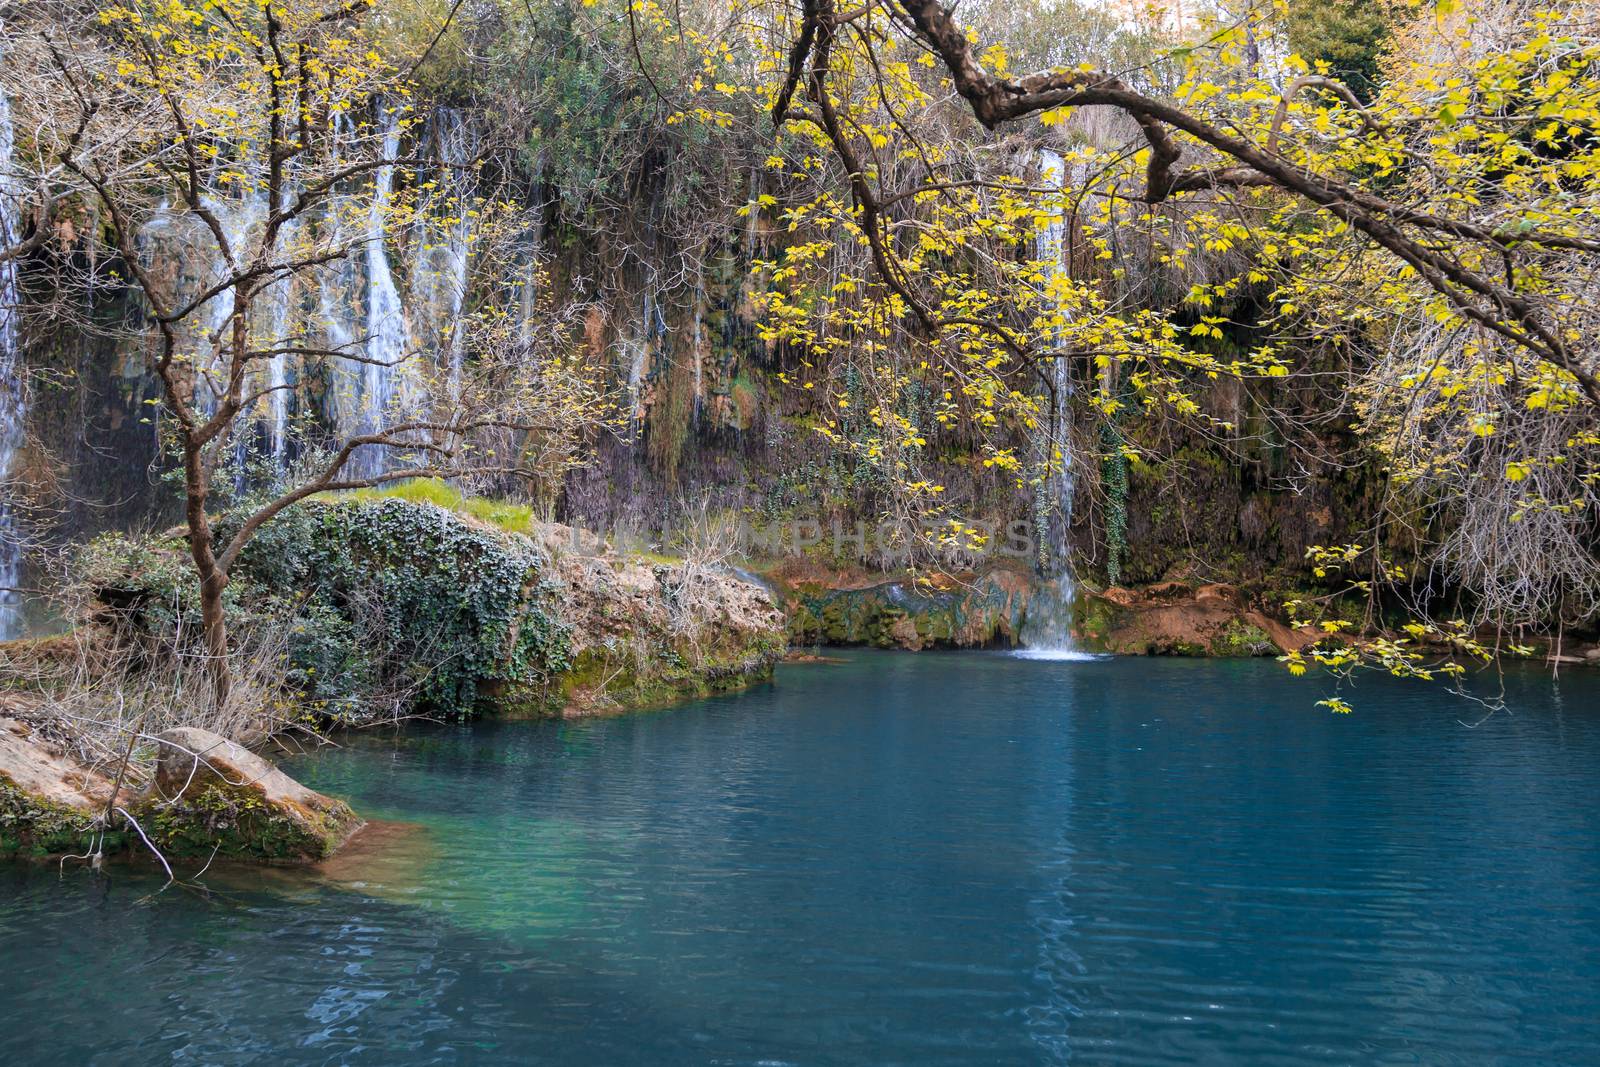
215,625
213,579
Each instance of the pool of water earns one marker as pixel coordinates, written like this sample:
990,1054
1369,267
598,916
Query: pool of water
896,859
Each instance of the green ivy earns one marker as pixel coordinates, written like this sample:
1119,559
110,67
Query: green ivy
391,589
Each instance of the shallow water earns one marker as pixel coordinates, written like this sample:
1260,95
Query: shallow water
921,859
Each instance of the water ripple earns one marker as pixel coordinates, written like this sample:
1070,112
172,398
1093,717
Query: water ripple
943,859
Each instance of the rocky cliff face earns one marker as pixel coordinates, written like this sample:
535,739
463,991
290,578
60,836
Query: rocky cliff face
991,610
914,612
1174,619
708,420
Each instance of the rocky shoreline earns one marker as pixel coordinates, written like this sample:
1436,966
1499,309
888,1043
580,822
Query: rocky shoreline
208,797
635,631
991,610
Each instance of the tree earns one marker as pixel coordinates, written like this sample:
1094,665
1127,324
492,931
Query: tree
1441,231
1348,35
239,155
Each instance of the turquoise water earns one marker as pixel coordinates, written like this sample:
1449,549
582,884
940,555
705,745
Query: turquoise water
934,859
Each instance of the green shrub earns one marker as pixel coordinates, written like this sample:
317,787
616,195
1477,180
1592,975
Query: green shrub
393,594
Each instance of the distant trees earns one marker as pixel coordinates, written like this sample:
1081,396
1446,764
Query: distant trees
1349,36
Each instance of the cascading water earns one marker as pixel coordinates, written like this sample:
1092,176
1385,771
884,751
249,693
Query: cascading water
1048,632
696,341
530,247
386,325
12,393
241,222
365,394
637,350
278,335
337,290
273,323
439,286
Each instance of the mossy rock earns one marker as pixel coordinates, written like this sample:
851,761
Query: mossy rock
1093,620
49,803
30,825
900,614
210,796
629,676
241,822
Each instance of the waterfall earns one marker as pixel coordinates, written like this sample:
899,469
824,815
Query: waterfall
439,285
529,249
696,340
637,353
1048,632
179,242
273,328
337,289
12,392
241,221
280,326
366,394
386,325
529,253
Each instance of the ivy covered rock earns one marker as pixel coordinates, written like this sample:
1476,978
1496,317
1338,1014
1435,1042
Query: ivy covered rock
394,605
213,796
408,600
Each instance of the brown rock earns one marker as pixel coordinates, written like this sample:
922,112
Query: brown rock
34,767
1225,593
904,631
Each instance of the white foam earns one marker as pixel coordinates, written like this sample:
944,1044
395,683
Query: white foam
1057,655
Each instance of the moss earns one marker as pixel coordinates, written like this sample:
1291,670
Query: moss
508,516
901,615
661,559
33,826
746,397
629,675
1093,619
239,822
670,418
